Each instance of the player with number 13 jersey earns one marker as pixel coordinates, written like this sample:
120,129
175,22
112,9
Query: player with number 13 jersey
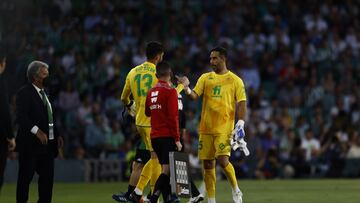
139,81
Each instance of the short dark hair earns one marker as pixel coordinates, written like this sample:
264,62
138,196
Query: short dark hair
153,49
222,51
162,69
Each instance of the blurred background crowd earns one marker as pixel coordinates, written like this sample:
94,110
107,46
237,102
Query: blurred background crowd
299,60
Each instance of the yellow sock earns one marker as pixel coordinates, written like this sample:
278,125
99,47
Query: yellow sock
210,179
230,174
145,176
156,171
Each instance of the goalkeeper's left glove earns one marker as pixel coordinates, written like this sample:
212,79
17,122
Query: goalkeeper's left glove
131,107
237,140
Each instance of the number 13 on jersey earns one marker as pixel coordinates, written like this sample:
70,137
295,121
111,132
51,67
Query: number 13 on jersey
144,83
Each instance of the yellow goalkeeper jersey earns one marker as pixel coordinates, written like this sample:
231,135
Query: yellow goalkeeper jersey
138,82
220,94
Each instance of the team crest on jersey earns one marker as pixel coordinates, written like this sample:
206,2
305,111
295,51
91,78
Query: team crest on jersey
221,146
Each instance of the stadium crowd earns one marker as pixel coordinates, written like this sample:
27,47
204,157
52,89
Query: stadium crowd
300,62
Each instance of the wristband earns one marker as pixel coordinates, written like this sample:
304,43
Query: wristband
188,90
240,123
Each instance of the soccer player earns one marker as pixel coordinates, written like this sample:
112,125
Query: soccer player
223,94
162,105
138,82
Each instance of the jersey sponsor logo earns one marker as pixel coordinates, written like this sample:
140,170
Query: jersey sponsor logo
155,93
155,106
154,100
154,96
216,91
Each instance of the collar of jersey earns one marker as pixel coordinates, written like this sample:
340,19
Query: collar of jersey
148,62
163,83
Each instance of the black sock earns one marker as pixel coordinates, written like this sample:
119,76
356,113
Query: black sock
130,190
167,193
194,191
162,181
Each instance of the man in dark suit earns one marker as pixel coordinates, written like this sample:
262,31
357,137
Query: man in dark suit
7,140
37,142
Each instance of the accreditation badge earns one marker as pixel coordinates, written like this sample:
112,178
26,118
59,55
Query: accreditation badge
51,131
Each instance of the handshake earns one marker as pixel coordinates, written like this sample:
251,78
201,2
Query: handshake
237,139
184,81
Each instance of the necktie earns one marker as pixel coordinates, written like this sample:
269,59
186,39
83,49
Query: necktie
48,108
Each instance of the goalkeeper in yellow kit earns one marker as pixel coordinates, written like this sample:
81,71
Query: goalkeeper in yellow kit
223,94
138,82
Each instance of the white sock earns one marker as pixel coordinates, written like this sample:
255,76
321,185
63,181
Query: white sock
202,188
138,191
236,189
211,200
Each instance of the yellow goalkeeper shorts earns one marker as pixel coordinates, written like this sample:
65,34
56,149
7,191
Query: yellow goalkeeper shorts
145,135
213,145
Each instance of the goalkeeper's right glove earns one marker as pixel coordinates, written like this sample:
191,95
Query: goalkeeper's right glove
131,107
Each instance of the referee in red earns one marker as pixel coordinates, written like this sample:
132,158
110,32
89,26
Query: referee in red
162,106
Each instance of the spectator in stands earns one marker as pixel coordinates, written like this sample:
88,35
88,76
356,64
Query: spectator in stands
114,140
95,136
268,166
311,146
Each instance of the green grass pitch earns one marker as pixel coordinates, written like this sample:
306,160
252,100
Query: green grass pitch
274,191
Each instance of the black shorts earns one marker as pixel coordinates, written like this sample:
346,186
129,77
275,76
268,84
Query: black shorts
162,146
142,156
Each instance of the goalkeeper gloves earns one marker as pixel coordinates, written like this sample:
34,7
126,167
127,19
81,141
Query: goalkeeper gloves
131,107
237,140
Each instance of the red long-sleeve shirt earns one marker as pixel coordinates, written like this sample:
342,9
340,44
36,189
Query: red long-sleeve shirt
162,106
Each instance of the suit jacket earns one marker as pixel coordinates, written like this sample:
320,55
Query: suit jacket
31,111
5,120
